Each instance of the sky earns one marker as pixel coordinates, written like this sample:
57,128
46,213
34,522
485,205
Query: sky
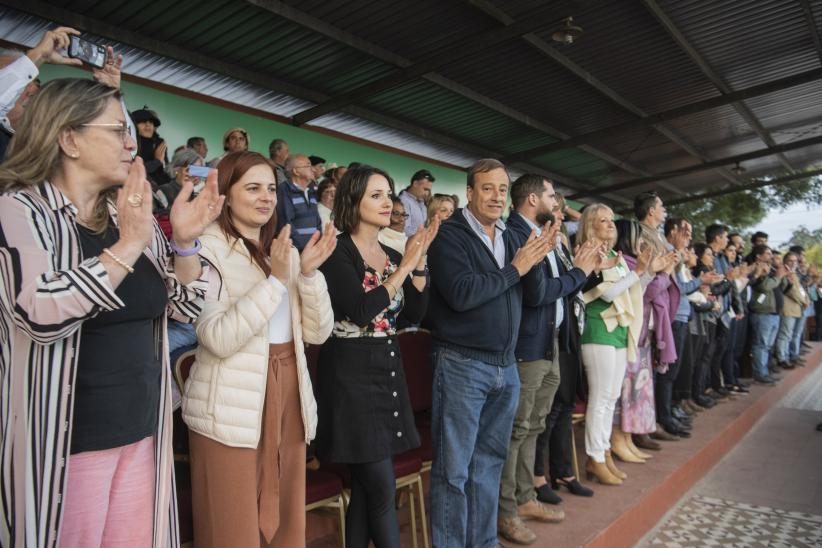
780,224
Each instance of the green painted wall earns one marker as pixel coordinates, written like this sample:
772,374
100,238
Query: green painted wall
182,118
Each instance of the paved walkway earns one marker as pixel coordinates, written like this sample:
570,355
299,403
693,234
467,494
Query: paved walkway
766,492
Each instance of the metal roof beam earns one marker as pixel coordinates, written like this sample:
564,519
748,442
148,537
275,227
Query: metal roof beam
661,117
319,26
546,49
762,153
713,76
812,28
121,35
749,186
542,17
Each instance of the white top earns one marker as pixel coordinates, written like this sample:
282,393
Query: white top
13,80
393,239
552,260
325,214
279,326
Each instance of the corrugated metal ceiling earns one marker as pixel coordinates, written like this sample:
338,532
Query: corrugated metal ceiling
508,96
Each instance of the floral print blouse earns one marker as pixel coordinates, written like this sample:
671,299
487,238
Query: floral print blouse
384,323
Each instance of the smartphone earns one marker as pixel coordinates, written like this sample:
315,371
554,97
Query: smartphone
199,171
87,52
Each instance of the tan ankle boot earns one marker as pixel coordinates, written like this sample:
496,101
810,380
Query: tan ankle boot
609,462
620,448
600,471
629,441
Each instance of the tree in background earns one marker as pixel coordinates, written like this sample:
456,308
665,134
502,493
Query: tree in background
745,209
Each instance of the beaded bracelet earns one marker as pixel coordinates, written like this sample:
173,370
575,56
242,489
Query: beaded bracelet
118,260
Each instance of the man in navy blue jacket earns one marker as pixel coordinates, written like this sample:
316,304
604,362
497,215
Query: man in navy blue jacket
474,316
537,354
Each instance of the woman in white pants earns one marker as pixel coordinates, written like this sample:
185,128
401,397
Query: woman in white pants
613,322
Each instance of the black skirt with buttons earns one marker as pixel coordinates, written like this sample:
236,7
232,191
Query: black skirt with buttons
364,410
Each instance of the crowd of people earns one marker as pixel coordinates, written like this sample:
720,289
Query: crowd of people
112,257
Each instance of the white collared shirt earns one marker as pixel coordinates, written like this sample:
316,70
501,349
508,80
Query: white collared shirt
552,260
497,247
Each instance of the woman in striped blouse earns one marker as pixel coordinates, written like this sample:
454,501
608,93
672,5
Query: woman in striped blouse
86,442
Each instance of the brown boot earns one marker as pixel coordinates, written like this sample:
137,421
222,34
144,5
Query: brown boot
629,441
621,449
609,462
534,509
514,530
599,470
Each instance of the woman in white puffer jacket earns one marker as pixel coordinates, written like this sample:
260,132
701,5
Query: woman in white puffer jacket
248,401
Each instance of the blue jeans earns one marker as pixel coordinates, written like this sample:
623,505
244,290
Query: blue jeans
472,416
763,329
179,335
795,348
784,338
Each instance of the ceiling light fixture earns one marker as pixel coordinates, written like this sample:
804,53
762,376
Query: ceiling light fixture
568,34
738,169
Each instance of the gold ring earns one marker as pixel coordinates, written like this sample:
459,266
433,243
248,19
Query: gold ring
135,200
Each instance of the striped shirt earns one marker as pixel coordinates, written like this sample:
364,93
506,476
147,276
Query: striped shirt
48,290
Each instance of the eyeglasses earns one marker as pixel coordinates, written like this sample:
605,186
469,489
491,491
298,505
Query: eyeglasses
117,127
300,167
398,214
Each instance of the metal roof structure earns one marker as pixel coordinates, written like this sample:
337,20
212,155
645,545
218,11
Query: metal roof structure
655,94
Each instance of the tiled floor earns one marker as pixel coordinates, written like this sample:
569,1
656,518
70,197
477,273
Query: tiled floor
706,521
767,491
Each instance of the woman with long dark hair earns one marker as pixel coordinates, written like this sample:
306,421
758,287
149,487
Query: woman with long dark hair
365,415
636,409
248,401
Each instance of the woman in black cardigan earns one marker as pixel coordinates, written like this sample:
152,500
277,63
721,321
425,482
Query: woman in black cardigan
365,415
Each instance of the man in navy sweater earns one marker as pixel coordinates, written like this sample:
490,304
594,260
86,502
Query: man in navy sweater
537,354
474,316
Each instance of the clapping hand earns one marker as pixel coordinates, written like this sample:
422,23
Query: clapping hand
532,252
587,257
134,216
417,246
190,218
280,254
710,277
318,249
605,261
644,260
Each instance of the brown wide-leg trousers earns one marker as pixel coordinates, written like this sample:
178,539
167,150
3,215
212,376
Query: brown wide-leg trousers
246,498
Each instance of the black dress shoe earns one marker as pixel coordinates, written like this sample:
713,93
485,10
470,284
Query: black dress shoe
765,380
545,494
678,432
678,413
679,409
704,401
574,486
738,390
677,425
